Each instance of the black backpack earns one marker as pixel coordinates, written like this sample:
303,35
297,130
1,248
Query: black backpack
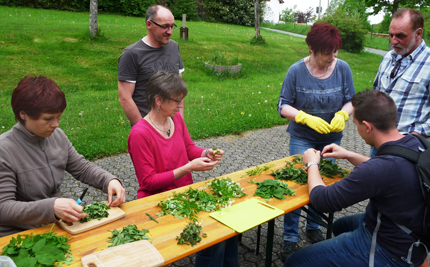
422,163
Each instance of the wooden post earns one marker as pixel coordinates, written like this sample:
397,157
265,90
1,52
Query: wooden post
184,30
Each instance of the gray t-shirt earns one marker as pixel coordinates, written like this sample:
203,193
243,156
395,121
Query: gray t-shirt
139,61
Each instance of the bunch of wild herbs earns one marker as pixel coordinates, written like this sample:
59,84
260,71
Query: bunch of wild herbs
328,168
97,210
258,170
191,234
39,250
127,234
291,173
192,201
272,189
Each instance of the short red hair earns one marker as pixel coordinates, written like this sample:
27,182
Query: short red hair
37,95
323,38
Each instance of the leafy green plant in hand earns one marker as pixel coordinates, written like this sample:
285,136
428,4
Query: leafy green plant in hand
127,234
191,234
272,189
39,250
97,210
291,173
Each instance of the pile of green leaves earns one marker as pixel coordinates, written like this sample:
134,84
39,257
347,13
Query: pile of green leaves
97,210
258,170
192,201
191,234
291,173
226,188
328,168
272,189
127,234
39,250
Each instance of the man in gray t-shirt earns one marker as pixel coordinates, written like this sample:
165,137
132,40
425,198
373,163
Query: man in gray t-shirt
139,61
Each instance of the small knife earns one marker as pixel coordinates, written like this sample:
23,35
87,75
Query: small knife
82,197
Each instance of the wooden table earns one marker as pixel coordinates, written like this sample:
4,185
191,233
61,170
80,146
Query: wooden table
163,234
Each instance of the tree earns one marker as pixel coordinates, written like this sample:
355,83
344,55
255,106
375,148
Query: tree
304,17
257,18
93,17
287,15
393,6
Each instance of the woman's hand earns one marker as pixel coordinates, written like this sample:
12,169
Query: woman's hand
67,210
202,164
115,188
216,154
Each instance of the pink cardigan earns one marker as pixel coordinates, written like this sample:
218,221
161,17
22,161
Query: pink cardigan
155,157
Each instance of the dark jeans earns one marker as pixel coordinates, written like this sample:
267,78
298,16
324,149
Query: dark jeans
350,247
224,254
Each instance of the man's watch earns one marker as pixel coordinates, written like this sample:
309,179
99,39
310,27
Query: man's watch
310,164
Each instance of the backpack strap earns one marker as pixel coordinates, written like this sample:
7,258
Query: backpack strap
399,151
373,245
404,152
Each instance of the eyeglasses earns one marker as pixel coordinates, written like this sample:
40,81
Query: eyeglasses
165,27
178,101
395,69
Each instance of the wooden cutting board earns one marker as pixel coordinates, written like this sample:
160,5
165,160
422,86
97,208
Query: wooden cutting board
135,254
246,215
115,213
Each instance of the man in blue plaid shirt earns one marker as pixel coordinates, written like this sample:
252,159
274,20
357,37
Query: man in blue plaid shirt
404,73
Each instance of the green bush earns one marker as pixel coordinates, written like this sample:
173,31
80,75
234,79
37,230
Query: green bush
352,30
69,5
240,12
179,7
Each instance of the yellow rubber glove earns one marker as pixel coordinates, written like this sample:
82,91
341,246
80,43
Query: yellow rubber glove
337,124
316,123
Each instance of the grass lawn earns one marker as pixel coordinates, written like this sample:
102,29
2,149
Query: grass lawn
56,44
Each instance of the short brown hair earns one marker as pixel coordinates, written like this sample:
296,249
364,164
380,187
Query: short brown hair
375,107
416,17
37,95
166,85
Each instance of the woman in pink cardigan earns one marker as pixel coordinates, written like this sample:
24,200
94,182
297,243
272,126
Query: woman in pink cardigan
164,155
160,146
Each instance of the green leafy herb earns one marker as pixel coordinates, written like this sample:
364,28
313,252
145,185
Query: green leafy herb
97,210
291,173
258,170
39,250
127,234
191,234
152,218
329,168
192,201
297,159
272,189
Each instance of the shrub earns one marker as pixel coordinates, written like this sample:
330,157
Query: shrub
258,40
352,30
240,12
179,7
